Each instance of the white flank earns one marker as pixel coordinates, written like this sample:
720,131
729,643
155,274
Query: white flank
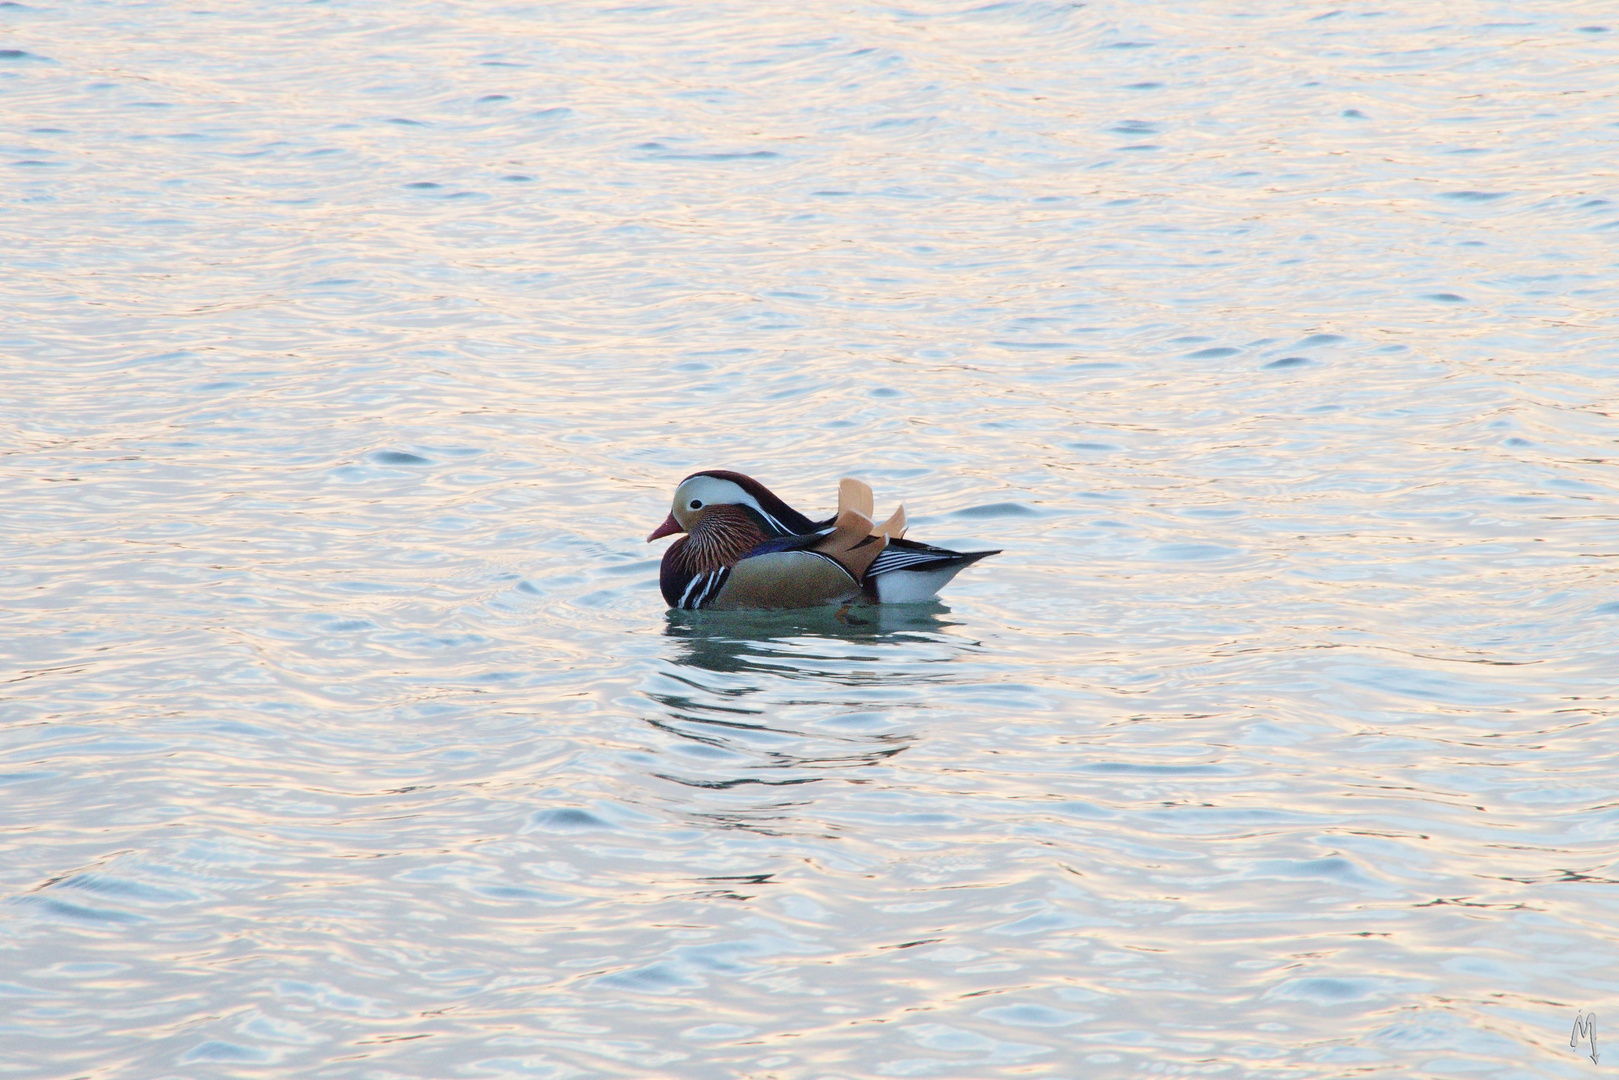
914,586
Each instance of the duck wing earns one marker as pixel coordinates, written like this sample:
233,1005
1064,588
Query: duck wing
848,540
802,570
910,572
856,495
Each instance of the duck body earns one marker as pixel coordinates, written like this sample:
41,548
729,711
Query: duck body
746,548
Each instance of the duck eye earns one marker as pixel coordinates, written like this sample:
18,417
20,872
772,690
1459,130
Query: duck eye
697,504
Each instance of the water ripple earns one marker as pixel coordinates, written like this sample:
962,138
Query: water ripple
350,355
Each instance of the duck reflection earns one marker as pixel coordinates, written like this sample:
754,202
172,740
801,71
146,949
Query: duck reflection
735,641
758,700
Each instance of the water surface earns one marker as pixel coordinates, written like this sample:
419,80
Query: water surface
351,349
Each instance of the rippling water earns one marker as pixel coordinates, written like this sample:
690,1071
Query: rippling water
351,349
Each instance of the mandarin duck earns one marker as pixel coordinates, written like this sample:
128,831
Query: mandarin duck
746,548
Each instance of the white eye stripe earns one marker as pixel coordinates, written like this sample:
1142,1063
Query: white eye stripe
711,491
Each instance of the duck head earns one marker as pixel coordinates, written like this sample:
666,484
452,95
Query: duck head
718,487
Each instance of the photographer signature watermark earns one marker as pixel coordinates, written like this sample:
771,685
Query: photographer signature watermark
1585,1027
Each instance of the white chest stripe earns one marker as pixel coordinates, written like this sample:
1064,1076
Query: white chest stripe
703,588
697,579
708,589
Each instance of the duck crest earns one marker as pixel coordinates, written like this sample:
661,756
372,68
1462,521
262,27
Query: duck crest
790,521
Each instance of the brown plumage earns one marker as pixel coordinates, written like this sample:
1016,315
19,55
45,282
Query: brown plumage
852,543
856,495
721,536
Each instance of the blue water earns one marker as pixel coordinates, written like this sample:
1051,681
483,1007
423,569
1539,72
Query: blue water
351,349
